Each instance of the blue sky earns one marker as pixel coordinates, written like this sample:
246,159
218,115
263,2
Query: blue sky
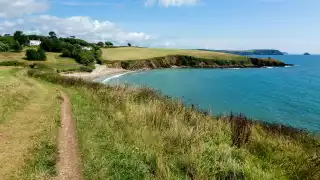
289,25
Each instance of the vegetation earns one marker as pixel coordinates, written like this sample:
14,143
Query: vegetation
4,47
140,134
17,47
133,53
36,55
109,44
190,61
54,61
29,116
101,44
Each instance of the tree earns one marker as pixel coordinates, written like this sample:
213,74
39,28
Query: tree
17,47
109,44
52,34
21,38
17,35
129,44
101,44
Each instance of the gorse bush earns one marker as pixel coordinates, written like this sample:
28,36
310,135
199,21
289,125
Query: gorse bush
36,55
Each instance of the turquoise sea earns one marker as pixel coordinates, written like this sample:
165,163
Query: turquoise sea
288,95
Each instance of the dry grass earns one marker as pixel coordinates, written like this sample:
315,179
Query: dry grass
133,53
29,113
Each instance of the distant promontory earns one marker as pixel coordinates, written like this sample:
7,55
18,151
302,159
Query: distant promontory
306,53
249,52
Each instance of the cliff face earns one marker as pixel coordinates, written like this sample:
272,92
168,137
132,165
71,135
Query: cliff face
193,62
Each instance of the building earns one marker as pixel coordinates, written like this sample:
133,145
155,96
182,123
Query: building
34,43
87,48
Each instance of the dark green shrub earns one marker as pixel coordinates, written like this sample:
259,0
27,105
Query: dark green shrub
17,47
85,57
98,56
36,55
66,53
42,54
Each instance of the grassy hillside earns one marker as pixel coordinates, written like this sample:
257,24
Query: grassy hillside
133,53
29,116
53,60
138,58
127,133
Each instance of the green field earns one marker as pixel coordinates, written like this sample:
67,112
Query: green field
53,60
134,53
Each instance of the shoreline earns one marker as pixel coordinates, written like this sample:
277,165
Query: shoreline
102,73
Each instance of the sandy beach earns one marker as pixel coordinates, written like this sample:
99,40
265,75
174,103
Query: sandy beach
98,72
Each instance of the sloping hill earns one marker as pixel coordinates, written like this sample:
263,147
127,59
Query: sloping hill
134,53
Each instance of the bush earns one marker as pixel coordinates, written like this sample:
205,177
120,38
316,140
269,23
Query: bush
17,47
36,55
4,47
85,57
66,53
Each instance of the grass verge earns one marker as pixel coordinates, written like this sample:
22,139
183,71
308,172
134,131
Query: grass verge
29,121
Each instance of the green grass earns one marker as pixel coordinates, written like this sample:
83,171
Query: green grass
29,115
53,60
127,133
133,53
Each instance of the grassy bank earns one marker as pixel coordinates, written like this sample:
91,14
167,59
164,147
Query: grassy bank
29,115
127,133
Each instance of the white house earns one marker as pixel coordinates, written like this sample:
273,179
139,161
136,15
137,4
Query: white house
87,48
34,43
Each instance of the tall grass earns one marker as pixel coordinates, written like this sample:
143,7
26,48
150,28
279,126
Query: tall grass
130,133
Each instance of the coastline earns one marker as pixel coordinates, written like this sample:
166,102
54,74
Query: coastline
102,73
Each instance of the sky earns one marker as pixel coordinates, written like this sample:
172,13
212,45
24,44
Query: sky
288,25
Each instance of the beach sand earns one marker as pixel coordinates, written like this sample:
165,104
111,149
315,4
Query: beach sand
98,72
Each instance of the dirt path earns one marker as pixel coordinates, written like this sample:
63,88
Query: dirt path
69,167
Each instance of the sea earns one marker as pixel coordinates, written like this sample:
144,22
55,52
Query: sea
286,95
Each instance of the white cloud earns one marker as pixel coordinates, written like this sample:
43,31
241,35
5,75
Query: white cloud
80,26
168,3
17,8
